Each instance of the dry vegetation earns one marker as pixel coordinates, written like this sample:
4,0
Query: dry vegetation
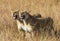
8,28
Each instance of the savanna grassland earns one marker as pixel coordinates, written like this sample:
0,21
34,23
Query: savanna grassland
8,27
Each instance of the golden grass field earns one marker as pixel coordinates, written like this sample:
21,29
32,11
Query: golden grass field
8,27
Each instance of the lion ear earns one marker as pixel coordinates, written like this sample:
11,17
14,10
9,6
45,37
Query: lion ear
17,11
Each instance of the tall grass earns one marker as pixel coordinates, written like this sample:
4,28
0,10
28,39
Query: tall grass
8,27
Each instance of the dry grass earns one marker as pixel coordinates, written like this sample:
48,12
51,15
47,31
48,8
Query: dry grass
8,28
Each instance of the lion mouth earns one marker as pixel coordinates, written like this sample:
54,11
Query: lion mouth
14,17
22,17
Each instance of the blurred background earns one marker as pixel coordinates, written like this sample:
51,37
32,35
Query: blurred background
8,27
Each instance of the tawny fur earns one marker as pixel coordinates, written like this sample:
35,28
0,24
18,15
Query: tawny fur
30,23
